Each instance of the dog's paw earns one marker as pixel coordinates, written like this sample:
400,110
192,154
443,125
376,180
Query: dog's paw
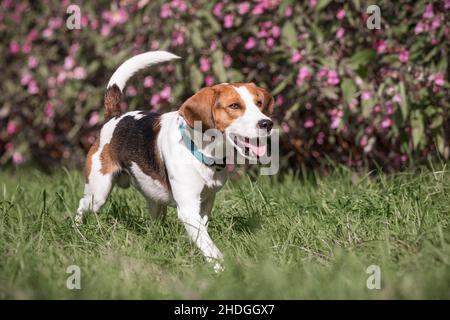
78,221
218,268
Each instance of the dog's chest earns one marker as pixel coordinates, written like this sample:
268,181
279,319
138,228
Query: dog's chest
213,178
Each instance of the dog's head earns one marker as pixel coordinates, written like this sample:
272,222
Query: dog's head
240,111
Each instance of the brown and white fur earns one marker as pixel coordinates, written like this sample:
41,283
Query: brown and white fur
146,149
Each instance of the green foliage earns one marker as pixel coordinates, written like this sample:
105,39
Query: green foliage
344,92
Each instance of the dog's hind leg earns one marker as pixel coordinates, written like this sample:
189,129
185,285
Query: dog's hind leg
100,171
156,210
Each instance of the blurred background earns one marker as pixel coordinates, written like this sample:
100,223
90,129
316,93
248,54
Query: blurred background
344,93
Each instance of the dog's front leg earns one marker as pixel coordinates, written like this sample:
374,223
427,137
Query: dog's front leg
189,213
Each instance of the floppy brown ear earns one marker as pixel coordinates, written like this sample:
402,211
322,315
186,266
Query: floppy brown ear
199,107
268,103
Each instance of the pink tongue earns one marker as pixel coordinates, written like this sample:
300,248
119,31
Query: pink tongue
258,150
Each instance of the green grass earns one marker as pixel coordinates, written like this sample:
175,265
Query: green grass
295,239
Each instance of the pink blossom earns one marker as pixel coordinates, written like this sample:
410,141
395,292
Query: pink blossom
353,103
262,34
308,123
165,93
428,14
323,72
33,62
303,74
165,11
250,44
366,95
204,64
32,35
20,7
84,20
285,127
180,5
6,4
270,42
48,110
94,24
105,30
438,79
217,9
227,60
380,46
403,55
94,118
177,38
228,21
397,98
114,18
148,82
389,108
258,9
14,47
49,138
276,31
296,56
447,4
11,128
320,139
363,141
266,24
340,33
386,123
312,3
333,77
131,91
288,11
336,115
244,8
55,23
213,45
47,33
61,77
79,73
335,122
436,23
25,79
26,48
17,158
340,14
33,87
419,28
279,100
155,99
377,109
209,80
9,147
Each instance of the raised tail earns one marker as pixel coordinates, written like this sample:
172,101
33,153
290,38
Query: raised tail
126,71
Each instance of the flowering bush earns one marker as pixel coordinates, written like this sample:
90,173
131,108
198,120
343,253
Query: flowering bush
343,92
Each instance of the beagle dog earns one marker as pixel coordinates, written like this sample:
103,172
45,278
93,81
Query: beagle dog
156,152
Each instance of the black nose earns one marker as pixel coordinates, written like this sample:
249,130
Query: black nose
265,124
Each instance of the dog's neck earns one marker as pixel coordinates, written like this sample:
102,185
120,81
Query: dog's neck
205,145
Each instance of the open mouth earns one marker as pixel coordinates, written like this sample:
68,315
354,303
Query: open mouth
249,147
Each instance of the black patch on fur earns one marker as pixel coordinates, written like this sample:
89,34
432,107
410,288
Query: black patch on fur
135,141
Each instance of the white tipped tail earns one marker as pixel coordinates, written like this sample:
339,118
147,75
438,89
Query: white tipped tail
136,63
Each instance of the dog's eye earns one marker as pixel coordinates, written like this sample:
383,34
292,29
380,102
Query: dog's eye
259,104
234,106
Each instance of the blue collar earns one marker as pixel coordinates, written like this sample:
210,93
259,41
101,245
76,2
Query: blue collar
209,161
